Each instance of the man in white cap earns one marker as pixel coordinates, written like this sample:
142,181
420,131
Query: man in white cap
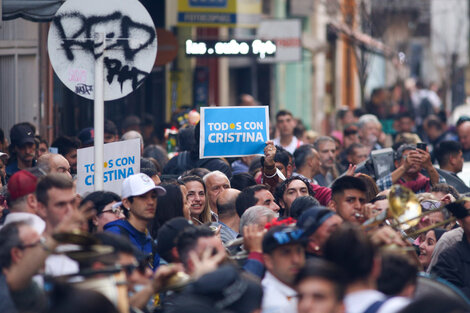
139,197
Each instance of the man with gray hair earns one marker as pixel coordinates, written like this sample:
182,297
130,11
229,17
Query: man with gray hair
215,182
257,215
326,148
369,131
51,163
132,134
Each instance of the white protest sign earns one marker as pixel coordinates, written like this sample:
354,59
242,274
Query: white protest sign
121,159
131,45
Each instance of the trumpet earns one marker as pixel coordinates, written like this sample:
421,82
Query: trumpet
404,213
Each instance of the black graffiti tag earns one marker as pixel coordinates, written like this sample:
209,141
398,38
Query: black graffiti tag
83,89
86,24
123,73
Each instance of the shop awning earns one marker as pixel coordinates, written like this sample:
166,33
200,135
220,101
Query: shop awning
33,10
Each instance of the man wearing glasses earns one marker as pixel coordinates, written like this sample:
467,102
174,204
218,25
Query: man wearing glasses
18,244
23,252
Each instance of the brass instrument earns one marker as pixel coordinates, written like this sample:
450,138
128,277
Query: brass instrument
177,282
404,213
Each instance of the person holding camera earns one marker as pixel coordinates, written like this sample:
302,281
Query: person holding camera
409,161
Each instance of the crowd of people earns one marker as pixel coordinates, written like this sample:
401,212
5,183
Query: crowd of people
318,223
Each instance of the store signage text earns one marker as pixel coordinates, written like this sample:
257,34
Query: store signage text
234,48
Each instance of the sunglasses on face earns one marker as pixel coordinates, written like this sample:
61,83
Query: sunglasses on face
139,266
430,205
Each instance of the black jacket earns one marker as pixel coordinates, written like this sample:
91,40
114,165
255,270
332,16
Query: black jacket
187,160
453,265
453,180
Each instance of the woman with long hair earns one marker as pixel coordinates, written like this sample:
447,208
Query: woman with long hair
198,206
170,205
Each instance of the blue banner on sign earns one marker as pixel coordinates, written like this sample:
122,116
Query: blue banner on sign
208,3
233,131
202,17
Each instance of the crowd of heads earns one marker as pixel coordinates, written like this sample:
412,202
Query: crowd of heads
319,223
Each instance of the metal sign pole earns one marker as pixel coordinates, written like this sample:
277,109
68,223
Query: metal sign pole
100,44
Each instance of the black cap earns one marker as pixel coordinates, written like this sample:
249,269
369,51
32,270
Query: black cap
229,289
280,236
169,231
87,136
310,220
21,134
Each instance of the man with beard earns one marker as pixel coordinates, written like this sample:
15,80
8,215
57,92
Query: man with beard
291,189
369,131
408,163
326,148
22,148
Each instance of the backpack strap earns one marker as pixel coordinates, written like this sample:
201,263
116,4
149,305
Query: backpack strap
374,307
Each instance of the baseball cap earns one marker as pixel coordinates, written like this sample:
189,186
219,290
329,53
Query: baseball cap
168,233
21,134
138,184
4,156
280,236
87,136
310,220
22,183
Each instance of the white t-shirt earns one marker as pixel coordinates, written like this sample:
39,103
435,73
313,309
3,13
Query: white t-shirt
278,297
358,302
58,265
294,144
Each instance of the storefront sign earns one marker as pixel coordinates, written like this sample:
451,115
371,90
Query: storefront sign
219,13
232,48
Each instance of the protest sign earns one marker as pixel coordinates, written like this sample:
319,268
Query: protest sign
233,131
121,159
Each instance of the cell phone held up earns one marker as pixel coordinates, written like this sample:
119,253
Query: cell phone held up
421,146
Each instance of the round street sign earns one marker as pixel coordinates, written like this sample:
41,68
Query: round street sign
131,45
